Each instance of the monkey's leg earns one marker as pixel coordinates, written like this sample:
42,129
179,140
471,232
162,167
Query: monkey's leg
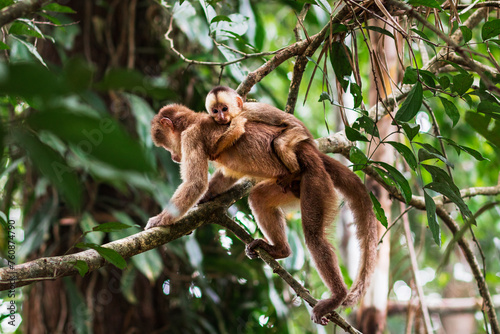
319,207
284,146
265,200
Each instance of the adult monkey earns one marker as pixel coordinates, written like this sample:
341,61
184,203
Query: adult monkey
189,136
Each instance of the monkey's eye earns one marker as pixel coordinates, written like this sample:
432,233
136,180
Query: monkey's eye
215,111
224,109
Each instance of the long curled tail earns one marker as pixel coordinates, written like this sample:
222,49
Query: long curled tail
355,193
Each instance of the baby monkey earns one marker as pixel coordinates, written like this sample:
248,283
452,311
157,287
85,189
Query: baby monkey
225,105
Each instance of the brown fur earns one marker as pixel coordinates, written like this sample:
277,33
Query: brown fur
191,136
226,106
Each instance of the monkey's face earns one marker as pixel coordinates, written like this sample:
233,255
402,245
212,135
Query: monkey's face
223,105
164,135
172,143
220,113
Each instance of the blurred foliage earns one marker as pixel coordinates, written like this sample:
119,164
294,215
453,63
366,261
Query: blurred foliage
76,154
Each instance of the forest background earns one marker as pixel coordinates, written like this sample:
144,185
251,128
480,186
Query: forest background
81,80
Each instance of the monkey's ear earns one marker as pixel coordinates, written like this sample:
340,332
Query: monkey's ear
167,122
239,101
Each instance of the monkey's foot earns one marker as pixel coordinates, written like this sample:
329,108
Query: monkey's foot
275,251
250,248
322,308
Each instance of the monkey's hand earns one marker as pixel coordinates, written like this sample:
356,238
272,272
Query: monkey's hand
163,219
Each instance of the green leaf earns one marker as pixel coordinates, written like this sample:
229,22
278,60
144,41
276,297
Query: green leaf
411,76
102,138
81,321
366,123
444,81
430,207
496,41
410,129
51,165
354,135
443,184
426,3
482,124
5,3
444,189
325,97
406,152
4,46
117,79
112,256
340,60
108,254
356,94
478,156
488,107
440,175
51,18
358,158
23,79
260,30
78,74
490,29
428,77
87,223
54,7
220,18
424,154
401,181
82,267
458,67
411,104
143,115
380,30
31,49
379,212
466,33
462,82
111,227
450,109
21,28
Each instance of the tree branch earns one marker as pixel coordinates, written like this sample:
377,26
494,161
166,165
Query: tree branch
19,9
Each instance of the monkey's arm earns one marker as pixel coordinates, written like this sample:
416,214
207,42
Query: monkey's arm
194,173
235,130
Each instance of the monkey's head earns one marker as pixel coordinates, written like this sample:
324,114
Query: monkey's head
223,104
166,130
